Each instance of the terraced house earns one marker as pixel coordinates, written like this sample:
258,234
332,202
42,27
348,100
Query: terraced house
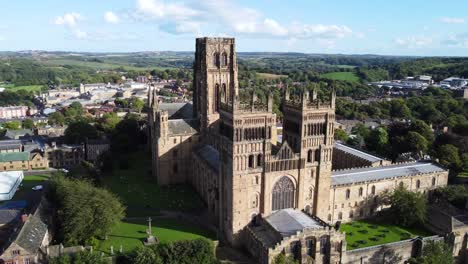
265,195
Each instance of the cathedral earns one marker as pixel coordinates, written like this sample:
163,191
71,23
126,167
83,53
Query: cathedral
266,193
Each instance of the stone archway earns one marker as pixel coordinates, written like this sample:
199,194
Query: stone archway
283,194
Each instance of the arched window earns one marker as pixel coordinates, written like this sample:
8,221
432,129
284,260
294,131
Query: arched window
317,155
283,194
309,155
348,193
360,191
216,59
224,60
433,181
418,184
329,217
251,161
373,190
259,160
340,215
217,97
311,192
224,93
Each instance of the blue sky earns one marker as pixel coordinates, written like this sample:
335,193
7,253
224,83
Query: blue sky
397,27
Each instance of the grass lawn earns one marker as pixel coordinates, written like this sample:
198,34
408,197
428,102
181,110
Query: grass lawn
361,234
463,174
140,193
262,75
12,87
342,76
29,181
131,234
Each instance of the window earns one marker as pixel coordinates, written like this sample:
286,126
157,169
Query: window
259,160
15,252
418,184
251,161
224,60
433,181
317,155
175,140
360,191
340,216
309,155
329,217
402,185
348,193
257,180
351,214
373,190
216,59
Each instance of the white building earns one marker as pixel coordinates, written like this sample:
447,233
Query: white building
9,183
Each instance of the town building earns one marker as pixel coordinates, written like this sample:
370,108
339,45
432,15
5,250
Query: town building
267,196
10,112
64,156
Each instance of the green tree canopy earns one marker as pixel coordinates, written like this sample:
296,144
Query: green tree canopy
27,123
449,157
78,131
408,208
415,142
83,211
434,253
377,140
56,118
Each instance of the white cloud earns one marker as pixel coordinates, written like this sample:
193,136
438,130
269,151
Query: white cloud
459,40
80,34
228,16
452,20
68,19
414,41
111,17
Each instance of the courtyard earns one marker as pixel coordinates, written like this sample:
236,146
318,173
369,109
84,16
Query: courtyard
140,193
366,233
131,233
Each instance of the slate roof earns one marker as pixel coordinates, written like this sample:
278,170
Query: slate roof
288,222
9,215
10,144
182,126
15,134
210,155
379,173
177,110
357,152
14,156
32,234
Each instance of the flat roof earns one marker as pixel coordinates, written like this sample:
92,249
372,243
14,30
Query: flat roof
9,180
357,153
379,173
289,221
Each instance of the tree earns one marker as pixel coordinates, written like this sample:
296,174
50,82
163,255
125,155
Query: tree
109,121
146,255
408,208
415,142
86,257
64,259
377,140
435,253
12,125
423,129
56,118
399,109
340,134
83,211
449,157
77,132
186,252
127,135
282,259
137,104
27,123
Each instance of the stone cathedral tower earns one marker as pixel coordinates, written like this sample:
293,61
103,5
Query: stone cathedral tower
215,78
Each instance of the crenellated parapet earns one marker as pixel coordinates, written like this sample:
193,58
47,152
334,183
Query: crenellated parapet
307,102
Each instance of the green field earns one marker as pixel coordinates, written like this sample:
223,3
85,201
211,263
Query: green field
142,196
361,234
131,234
12,87
262,75
29,181
341,76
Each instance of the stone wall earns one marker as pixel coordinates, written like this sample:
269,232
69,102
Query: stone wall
397,252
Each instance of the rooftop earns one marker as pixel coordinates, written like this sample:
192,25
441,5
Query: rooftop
182,126
288,222
14,156
210,155
177,110
357,153
9,215
379,173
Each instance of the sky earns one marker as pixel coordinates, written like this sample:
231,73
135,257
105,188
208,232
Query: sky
396,27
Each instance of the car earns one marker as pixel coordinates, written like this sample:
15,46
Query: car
37,188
